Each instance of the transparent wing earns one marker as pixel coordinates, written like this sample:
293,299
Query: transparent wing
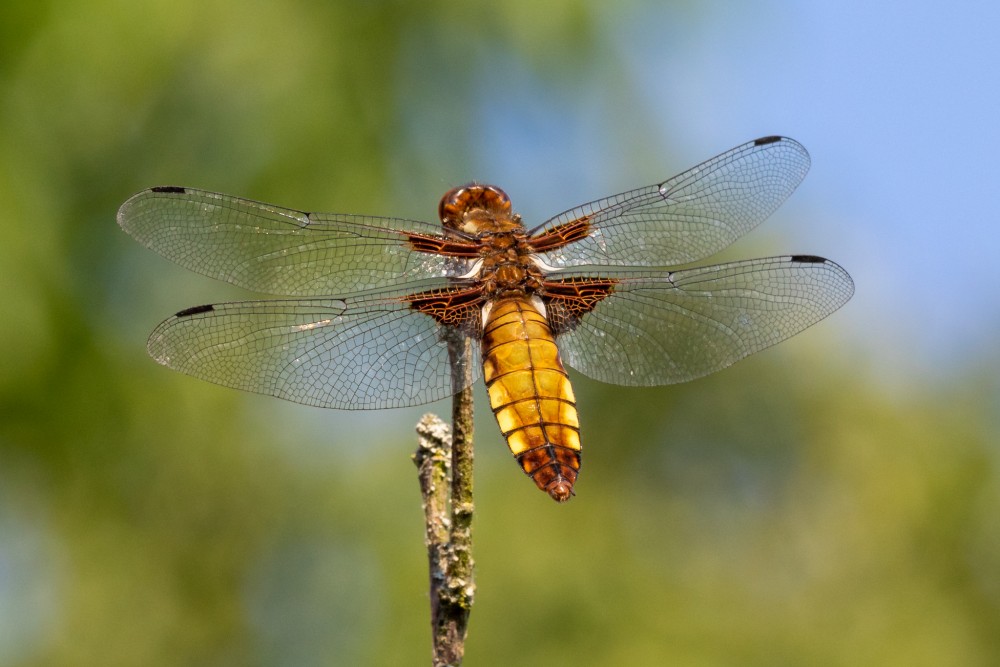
358,353
277,250
689,217
662,327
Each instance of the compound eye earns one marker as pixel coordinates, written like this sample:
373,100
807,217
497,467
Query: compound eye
451,208
496,199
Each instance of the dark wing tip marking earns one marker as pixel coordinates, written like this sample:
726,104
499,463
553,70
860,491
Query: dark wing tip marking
170,189
767,140
187,312
809,259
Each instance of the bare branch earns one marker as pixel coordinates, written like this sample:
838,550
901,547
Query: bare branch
444,460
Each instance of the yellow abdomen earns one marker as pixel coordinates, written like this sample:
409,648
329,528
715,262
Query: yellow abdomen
531,395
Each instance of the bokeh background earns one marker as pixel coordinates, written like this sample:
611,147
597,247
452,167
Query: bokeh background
832,501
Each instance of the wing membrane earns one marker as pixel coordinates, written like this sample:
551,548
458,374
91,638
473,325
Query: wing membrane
691,216
277,250
356,353
663,327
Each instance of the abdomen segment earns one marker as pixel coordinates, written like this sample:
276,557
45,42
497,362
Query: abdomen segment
531,395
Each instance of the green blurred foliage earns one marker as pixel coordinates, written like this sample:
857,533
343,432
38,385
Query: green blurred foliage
791,510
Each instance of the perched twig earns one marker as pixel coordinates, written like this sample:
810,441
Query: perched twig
444,462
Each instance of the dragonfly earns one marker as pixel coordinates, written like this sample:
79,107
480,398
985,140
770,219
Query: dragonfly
368,304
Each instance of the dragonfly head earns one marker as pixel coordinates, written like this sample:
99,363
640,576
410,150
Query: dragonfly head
475,208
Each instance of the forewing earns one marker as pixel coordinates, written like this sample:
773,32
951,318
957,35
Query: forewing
282,251
358,353
689,217
662,327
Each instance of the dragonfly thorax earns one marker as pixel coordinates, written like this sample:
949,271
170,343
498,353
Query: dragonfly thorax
507,265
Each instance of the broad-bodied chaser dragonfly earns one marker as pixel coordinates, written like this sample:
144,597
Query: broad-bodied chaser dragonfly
368,300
